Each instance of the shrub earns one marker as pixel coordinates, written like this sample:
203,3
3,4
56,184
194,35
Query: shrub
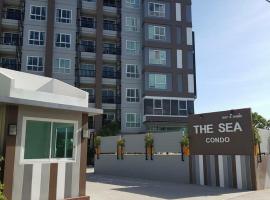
121,142
149,140
97,141
2,197
185,141
257,136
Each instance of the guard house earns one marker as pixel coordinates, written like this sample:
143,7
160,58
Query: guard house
43,137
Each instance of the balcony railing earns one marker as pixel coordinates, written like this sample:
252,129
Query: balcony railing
88,48
9,66
111,99
12,14
87,73
111,74
112,50
111,26
10,41
112,3
85,23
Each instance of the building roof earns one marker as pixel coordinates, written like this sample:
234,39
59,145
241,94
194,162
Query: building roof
28,89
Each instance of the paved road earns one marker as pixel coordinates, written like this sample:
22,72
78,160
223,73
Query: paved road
101,187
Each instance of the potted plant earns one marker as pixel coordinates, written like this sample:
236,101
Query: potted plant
120,148
97,142
257,141
185,145
149,144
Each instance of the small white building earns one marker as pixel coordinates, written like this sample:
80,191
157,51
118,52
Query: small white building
43,137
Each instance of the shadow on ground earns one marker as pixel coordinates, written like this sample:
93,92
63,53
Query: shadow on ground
163,190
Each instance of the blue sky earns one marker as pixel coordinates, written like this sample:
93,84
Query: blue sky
232,55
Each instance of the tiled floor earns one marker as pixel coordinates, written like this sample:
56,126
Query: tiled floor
101,187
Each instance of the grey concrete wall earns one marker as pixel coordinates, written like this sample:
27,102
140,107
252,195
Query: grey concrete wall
265,137
41,25
168,168
126,82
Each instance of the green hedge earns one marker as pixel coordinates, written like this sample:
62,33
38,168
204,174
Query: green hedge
2,197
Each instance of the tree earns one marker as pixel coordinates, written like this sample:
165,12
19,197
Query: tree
110,129
259,121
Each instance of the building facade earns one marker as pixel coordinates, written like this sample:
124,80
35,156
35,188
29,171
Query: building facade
136,58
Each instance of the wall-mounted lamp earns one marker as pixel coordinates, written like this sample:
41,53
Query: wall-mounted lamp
12,129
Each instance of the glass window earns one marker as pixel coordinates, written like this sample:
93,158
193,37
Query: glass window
62,140
35,63
132,120
63,40
131,24
87,70
158,81
156,32
190,60
62,65
63,16
133,3
48,140
109,116
158,107
36,38
38,13
166,107
183,108
174,107
10,38
157,57
132,71
156,9
131,47
148,106
132,95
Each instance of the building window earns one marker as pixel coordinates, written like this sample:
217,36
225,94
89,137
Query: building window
87,70
131,47
9,63
168,107
133,3
157,57
36,38
131,24
182,108
62,66
156,9
63,16
38,13
158,81
157,32
49,140
133,120
63,40
132,71
11,39
109,116
132,95
35,63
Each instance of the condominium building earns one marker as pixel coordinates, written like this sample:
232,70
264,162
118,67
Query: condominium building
136,58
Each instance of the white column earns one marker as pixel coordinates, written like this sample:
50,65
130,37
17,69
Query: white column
201,171
221,171
36,181
238,172
189,36
61,176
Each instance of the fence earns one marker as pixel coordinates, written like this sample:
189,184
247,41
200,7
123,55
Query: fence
166,165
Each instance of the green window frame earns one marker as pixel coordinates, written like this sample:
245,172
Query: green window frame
49,140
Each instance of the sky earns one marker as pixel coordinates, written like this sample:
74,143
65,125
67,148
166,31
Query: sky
232,55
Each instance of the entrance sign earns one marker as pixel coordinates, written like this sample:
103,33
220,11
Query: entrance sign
221,133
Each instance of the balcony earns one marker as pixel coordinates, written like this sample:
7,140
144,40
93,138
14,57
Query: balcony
110,28
88,51
110,7
111,74
9,64
88,26
87,73
111,99
92,99
8,45
89,6
11,18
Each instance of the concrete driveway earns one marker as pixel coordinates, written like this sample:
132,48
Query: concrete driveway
101,187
